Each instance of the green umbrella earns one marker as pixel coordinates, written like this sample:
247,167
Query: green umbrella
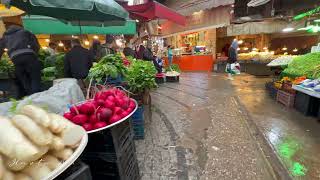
73,10
48,25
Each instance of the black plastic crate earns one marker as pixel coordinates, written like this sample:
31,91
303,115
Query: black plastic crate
111,152
160,80
306,104
78,171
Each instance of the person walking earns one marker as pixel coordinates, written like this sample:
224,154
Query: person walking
232,57
78,62
23,49
170,56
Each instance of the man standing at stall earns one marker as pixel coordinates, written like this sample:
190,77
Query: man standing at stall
23,47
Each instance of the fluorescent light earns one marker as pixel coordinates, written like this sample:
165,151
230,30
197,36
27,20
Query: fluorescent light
95,37
288,29
87,43
47,40
295,50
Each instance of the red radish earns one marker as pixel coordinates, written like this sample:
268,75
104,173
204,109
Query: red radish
104,114
129,110
119,102
100,102
117,110
132,104
74,110
114,118
111,98
109,104
99,125
107,93
68,115
87,108
97,96
103,96
80,119
93,119
87,126
124,114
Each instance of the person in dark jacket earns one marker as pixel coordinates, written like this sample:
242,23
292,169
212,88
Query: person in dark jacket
108,48
128,51
140,51
23,49
96,50
148,54
78,61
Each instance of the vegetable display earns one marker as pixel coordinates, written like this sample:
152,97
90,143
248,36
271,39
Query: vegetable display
106,108
141,76
33,143
173,67
305,65
53,67
281,61
109,66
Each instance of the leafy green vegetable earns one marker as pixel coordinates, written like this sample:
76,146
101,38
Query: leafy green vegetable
173,67
306,65
6,65
48,74
110,65
141,76
13,108
42,55
59,64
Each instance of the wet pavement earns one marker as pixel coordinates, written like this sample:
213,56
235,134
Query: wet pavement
207,127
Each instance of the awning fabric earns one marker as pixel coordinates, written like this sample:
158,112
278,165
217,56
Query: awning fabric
48,25
153,10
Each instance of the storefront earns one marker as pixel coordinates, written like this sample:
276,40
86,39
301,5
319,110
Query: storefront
194,45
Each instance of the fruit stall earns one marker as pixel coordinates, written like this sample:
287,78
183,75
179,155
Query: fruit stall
299,84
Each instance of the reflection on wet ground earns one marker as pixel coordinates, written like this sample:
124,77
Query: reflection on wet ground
207,127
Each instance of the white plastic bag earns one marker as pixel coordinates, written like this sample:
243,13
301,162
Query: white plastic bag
233,68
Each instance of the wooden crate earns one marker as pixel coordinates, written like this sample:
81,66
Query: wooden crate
285,98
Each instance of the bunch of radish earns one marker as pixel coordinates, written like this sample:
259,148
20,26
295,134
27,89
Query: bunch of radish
106,108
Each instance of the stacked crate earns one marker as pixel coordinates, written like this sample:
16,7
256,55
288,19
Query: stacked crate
111,154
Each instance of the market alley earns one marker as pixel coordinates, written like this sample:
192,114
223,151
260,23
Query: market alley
207,127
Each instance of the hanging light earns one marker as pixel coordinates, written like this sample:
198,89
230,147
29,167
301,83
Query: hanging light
61,44
5,49
47,40
240,41
44,47
137,20
284,48
295,50
245,48
265,48
95,37
238,49
87,43
254,49
288,29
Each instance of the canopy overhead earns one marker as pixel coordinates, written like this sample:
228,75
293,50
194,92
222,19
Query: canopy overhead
5,12
73,10
153,10
47,25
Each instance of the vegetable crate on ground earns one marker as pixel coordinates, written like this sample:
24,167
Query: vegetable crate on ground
111,153
285,98
160,78
172,78
273,91
78,171
138,123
